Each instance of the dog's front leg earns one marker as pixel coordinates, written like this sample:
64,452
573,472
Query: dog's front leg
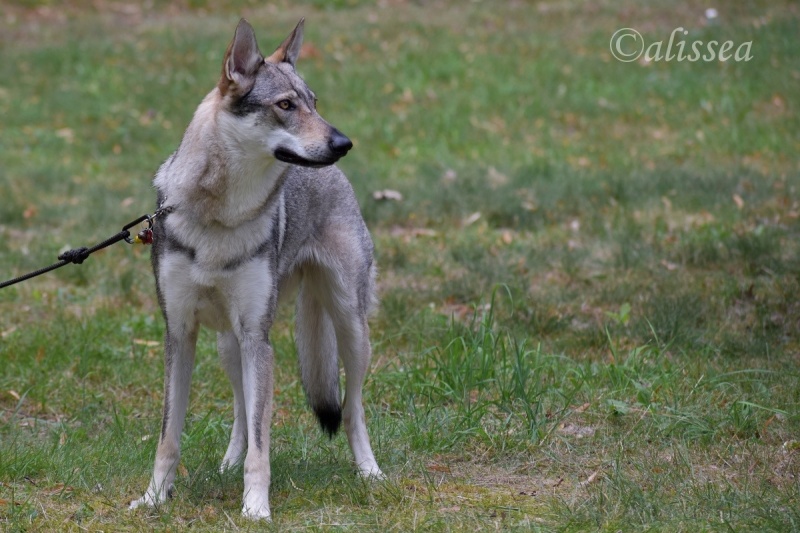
179,351
257,360
228,348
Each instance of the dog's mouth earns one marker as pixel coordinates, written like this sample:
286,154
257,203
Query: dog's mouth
287,156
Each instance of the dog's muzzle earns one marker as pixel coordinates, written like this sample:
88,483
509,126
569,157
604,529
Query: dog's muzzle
338,146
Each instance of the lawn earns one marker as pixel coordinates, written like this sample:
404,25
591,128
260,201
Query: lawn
589,311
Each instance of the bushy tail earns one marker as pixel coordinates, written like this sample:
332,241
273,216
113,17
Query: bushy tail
319,362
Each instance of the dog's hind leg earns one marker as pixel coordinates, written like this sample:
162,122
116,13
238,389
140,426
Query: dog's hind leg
230,356
338,288
179,349
354,349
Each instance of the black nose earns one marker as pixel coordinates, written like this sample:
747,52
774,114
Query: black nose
339,143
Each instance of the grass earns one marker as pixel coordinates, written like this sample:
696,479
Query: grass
589,314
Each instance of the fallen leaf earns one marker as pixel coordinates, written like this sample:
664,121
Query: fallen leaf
407,233
582,408
145,342
669,265
66,133
58,488
590,479
738,201
496,178
387,194
473,218
308,50
576,430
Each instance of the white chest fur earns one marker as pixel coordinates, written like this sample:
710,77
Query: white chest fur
220,300
226,281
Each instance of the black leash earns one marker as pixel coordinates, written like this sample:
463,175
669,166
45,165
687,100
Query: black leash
79,255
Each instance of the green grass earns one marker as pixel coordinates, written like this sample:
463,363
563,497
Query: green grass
589,315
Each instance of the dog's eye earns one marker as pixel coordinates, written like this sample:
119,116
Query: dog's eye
286,105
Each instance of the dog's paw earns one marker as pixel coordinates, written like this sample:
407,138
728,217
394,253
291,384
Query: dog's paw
151,499
256,505
371,472
260,513
228,464
145,501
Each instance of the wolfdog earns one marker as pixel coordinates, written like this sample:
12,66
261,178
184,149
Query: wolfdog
251,207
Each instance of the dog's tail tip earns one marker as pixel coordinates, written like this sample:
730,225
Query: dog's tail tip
330,419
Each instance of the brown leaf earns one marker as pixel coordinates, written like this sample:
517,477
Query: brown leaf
496,178
590,479
308,50
438,468
144,342
473,218
582,408
669,265
65,133
388,194
576,430
56,489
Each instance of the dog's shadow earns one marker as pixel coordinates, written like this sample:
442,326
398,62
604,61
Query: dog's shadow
325,474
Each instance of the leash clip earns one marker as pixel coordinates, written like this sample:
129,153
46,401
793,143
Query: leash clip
145,236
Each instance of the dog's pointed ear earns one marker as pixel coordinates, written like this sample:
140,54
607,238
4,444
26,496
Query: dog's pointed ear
289,50
242,60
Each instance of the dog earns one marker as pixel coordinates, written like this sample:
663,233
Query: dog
251,207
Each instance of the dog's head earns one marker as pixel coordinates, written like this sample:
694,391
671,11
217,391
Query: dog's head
276,110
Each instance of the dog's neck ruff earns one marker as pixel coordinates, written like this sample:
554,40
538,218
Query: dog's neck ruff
247,176
219,176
